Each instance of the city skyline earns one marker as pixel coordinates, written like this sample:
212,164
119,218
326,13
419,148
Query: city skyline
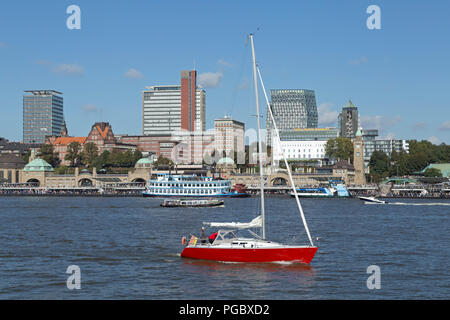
393,84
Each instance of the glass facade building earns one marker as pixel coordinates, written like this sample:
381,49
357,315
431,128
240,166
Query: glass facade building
43,115
291,109
312,134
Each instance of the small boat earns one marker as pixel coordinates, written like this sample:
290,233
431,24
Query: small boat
368,200
192,203
314,192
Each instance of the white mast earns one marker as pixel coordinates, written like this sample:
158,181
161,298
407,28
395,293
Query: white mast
285,161
261,177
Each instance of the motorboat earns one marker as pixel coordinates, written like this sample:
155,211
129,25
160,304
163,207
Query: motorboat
371,200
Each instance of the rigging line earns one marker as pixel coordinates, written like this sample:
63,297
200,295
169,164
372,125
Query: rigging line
284,158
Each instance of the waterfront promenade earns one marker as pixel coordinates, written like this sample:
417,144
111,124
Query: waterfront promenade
135,190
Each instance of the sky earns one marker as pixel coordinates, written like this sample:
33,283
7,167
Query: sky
398,76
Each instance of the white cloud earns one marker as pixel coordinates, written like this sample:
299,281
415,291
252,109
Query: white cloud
434,140
209,79
445,126
90,108
326,115
245,84
224,63
68,69
134,74
358,61
379,122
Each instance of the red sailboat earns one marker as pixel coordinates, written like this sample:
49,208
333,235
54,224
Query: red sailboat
227,246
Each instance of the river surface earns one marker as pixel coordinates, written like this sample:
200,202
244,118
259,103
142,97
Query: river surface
128,248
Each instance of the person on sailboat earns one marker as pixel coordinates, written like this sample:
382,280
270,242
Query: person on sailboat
213,237
203,235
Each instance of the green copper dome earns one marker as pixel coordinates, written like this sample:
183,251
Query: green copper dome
144,161
38,165
225,160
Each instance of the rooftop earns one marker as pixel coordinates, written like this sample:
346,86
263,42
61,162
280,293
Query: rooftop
69,140
443,167
43,92
11,161
38,165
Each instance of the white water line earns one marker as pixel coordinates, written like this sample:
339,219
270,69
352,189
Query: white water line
285,161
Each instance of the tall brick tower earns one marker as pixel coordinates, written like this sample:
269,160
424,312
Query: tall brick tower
358,158
188,99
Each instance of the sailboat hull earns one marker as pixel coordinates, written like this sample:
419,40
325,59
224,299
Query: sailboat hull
288,254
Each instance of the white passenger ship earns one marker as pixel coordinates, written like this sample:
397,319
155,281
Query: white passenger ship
189,186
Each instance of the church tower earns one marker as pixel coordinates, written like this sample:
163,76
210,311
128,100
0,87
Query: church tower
64,130
358,158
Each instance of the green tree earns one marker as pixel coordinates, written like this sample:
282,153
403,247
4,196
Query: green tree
339,148
102,160
47,153
89,154
137,155
73,153
433,172
379,166
26,157
162,161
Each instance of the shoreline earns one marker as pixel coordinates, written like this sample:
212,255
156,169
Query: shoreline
141,196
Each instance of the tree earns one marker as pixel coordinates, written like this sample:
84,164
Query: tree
379,165
162,161
89,154
433,172
339,148
102,160
73,153
137,155
47,153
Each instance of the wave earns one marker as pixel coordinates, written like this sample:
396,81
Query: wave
419,204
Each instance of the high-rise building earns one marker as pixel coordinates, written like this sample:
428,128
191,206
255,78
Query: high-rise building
229,136
348,121
291,109
171,108
42,115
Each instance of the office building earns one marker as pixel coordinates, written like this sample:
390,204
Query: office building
348,121
291,109
386,146
42,115
303,144
171,108
229,136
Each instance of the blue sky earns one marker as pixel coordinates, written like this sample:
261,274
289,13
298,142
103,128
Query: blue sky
398,76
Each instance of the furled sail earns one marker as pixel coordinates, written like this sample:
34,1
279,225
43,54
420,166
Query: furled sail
255,223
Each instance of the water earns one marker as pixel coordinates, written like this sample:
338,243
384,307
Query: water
128,248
